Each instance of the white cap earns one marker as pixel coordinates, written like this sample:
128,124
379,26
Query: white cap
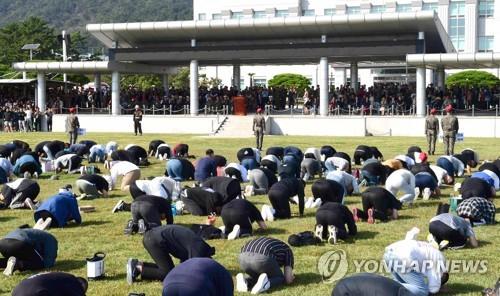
136,106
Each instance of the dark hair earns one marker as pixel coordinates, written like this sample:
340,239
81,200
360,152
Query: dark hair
209,152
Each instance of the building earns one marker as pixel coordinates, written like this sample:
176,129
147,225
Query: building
471,24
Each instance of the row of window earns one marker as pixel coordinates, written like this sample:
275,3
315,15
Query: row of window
486,8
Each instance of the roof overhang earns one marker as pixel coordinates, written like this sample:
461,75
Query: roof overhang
455,60
274,40
92,67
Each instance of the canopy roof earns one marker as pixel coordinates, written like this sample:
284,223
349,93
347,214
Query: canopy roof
455,60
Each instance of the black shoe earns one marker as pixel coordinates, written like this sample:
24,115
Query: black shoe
130,228
141,227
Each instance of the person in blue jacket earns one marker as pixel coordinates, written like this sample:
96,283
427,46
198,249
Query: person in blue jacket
58,210
205,167
27,164
27,249
198,277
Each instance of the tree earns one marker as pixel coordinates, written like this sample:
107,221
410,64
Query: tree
181,79
141,81
472,79
289,80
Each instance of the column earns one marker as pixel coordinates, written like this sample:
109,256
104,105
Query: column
429,77
193,86
115,94
471,18
165,83
443,13
354,75
97,82
440,77
421,108
42,97
323,86
236,76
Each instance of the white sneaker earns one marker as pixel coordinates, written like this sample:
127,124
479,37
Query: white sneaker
11,264
235,233
267,213
241,283
295,199
35,175
30,204
317,203
262,284
318,232
179,206
332,234
309,202
427,194
46,224
118,206
417,192
38,223
457,187
263,212
412,234
222,228
27,175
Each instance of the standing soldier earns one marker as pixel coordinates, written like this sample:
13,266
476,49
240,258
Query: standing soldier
259,126
431,130
72,126
449,124
137,120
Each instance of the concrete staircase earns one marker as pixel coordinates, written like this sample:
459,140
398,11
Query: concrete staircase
236,127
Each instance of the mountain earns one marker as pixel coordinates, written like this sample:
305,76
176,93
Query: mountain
73,15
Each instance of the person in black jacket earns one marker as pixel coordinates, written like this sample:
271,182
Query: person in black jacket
161,242
280,195
331,219
367,284
200,201
51,283
238,216
147,212
378,203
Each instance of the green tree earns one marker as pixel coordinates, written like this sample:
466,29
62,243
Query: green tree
77,46
141,81
472,78
181,79
289,80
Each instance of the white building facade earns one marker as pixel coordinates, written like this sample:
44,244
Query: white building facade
473,26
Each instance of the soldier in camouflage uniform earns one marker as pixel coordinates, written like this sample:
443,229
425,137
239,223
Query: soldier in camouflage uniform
449,124
431,130
259,126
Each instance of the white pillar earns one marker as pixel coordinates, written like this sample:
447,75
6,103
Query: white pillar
323,86
97,82
41,91
115,93
440,77
471,20
193,86
165,83
41,96
25,75
236,76
421,92
429,77
443,13
354,75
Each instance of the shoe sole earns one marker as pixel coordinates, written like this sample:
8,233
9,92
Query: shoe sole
355,215
332,235
9,269
130,278
115,208
260,286
141,227
370,217
31,205
241,285
318,232
235,233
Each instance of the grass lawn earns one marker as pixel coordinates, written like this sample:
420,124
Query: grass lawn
103,231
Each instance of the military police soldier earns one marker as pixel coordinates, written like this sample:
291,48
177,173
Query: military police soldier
431,130
137,120
259,126
449,124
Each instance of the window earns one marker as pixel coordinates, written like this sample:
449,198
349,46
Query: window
486,43
308,12
202,17
430,6
259,81
236,15
259,14
216,16
377,9
329,11
486,8
456,25
353,10
282,12
403,7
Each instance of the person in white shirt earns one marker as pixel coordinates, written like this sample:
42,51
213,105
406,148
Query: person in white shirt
236,171
110,147
496,180
129,172
347,180
417,265
442,175
159,186
449,231
71,162
401,180
336,163
6,165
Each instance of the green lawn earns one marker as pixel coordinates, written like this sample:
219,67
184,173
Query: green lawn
103,231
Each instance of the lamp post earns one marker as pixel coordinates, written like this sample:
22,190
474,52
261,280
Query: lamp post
31,47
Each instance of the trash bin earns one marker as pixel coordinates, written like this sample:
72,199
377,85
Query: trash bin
239,105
